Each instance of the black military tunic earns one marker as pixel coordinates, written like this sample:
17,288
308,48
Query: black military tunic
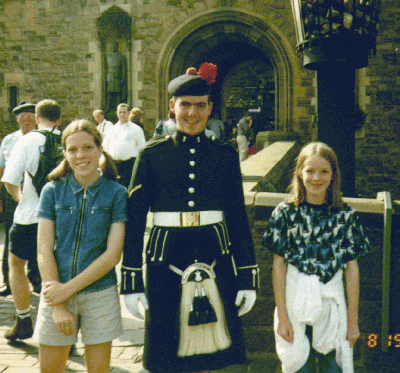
181,174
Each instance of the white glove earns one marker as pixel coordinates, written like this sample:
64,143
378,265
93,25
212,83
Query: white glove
132,304
245,299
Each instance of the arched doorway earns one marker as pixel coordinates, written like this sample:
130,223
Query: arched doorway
235,41
250,85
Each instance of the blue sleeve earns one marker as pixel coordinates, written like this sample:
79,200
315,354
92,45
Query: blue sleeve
119,207
47,205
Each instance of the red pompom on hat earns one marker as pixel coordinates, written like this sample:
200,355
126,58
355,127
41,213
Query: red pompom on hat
194,83
208,72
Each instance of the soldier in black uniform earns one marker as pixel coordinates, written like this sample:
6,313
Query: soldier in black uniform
198,272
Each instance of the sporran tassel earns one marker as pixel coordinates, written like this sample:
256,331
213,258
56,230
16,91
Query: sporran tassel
203,328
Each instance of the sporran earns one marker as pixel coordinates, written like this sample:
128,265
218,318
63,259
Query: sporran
202,322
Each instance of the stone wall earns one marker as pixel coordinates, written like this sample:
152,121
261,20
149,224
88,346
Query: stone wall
377,143
44,52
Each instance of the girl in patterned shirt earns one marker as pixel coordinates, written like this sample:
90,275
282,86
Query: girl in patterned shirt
315,238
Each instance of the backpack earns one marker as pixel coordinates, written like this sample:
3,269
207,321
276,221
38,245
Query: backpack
48,160
159,130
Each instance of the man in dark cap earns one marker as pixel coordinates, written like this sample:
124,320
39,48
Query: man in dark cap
24,162
25,114
198,273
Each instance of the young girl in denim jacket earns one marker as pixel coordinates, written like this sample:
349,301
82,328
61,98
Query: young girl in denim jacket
315,238
81,232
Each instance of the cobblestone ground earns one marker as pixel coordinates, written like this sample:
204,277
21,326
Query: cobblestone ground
22,356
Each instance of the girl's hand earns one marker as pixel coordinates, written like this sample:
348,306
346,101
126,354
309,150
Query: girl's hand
285,330
353,333
55,292
64,320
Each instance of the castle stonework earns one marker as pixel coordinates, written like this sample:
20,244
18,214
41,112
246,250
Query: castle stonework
66,50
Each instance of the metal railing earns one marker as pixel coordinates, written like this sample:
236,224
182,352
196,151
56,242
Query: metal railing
387,250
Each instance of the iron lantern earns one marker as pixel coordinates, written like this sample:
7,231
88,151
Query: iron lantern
336,31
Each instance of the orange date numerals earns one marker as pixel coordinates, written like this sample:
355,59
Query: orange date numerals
372,340
393,340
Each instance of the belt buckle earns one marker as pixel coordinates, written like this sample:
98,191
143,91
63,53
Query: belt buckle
190,219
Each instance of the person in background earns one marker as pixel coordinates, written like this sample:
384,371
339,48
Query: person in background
170,124
159,129
135,116
200,239
316,239
232,140
23,162
217,126
82,213
243,134
25,113
166,127
103,125
229,125
123,141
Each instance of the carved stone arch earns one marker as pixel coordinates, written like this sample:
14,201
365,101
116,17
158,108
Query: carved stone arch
189,42
114,31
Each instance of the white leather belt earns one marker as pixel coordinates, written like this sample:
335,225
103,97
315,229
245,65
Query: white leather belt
187,219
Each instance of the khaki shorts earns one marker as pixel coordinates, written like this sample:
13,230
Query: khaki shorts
97,316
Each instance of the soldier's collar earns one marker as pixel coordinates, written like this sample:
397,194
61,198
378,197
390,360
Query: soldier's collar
187,139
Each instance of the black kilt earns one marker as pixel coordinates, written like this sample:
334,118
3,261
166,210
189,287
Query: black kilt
181,248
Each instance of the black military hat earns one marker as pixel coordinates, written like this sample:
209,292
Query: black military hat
24,107
194,83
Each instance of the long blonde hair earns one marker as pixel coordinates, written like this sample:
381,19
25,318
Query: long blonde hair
106,163
297,189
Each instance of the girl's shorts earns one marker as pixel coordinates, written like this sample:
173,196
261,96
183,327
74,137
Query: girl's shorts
97,316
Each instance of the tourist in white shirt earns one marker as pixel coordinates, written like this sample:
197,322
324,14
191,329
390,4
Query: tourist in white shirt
103,124
24,160
25,115
123,141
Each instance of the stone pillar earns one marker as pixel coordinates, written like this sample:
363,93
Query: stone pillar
336,106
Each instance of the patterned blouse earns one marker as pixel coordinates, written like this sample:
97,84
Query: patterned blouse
316,239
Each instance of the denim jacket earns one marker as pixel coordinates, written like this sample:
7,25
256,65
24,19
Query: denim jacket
82,218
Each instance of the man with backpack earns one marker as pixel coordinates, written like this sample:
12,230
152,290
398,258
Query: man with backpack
30,162
25,115
166,127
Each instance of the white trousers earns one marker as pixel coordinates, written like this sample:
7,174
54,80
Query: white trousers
243,147
323,306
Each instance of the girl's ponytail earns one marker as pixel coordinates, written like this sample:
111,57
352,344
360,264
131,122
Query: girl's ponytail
108,167
62,170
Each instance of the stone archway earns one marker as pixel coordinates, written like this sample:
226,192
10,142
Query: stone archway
203,37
